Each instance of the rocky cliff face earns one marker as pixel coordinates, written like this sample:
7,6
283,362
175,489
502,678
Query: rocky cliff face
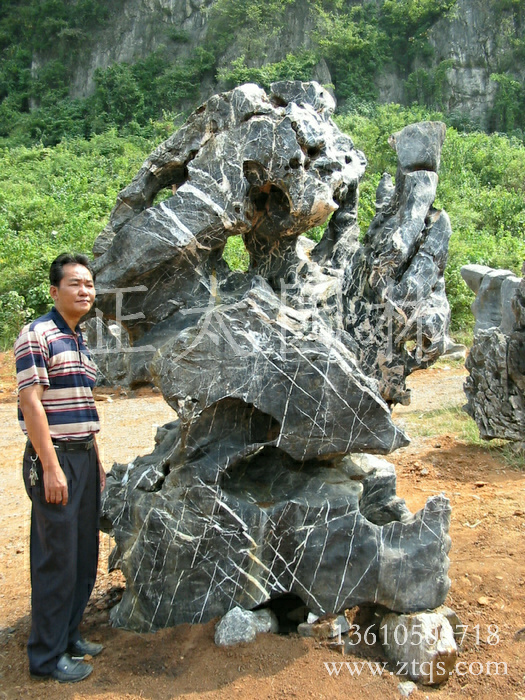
477,44
471,37
137,28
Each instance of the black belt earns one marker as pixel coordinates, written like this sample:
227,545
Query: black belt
69,445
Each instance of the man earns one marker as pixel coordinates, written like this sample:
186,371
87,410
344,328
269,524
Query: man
62,472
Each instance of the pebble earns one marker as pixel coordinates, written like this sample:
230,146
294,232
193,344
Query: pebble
406,688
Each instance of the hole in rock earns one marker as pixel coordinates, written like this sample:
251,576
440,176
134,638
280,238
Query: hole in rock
161,195
235,254
290,611
269,201
313,151
167,181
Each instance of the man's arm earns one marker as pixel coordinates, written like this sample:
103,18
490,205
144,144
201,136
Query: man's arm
35,419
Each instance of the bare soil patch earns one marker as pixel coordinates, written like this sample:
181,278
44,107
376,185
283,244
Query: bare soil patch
487,570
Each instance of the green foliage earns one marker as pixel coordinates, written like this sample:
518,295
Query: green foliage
235,254
52,200
429,87
293,67
41,40
118,98
508,112
252,20
180,82
57,194
354,47
13,315
407,23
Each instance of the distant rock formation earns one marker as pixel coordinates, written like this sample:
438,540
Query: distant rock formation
277,374
495,388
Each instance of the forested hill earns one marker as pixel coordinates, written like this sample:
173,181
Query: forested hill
89,87
75,67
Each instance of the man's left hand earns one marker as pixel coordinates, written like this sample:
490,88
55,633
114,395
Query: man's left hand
102,474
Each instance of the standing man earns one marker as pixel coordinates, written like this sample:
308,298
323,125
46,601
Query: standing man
62,472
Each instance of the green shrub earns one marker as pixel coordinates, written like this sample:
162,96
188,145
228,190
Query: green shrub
293,67
13,315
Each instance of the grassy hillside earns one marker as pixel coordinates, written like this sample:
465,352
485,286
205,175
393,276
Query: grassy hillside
58,198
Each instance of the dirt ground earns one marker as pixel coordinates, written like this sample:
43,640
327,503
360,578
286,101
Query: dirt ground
487,570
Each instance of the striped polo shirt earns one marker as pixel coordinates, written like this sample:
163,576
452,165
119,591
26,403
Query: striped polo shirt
47,352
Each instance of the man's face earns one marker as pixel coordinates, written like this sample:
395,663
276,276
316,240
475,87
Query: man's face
75,294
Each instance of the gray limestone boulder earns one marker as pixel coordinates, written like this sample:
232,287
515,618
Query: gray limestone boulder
240,625
279,373
495,387
332,533
494,290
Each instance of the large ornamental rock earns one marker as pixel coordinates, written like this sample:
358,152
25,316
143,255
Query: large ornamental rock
495,388
279,373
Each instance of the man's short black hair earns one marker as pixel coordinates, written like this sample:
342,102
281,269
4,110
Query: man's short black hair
56,271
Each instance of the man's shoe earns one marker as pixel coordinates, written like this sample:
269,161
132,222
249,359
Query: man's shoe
81,647
68,670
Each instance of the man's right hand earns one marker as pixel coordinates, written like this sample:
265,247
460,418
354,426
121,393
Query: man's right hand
55,485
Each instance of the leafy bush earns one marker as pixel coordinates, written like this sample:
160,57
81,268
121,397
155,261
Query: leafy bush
59,197
53,200
293,67
13,315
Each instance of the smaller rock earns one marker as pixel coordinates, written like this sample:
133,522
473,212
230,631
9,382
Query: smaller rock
324,628
406,688
343,623
520,634
236,626
422,642
240,625
266,621
483,600
457,626
318,630
338,647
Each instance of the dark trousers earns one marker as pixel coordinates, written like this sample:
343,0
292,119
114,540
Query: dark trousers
63,556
